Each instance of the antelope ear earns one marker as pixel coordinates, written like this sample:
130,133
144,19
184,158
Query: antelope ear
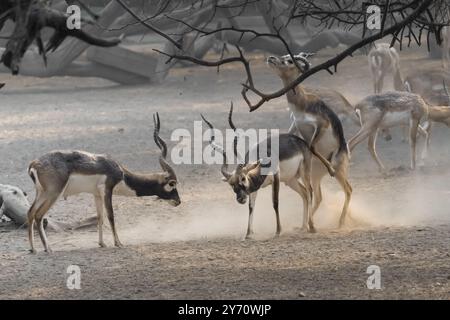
254,165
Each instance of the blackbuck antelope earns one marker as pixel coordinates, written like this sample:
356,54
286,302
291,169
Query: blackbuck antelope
387,110
382,59
440,114
430,85
318,125
425,82
293,164
336,102
67,173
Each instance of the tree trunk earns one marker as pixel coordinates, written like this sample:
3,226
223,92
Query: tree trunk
93,69
435,50
32,63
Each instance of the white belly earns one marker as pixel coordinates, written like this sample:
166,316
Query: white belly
397,118
79,183
327,143
289,168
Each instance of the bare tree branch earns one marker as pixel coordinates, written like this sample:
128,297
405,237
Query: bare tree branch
334,61
155,30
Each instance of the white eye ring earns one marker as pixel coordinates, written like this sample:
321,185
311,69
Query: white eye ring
170,186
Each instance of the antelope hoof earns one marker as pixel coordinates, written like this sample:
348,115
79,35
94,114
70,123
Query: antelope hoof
32,251
118,244
48,250
249,236
102,245
312,229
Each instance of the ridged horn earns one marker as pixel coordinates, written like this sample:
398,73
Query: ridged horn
163,147
235,140
303,57
216,147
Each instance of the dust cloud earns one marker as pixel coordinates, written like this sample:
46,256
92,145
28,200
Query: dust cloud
414,203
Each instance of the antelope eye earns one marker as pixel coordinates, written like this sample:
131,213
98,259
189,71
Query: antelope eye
172,184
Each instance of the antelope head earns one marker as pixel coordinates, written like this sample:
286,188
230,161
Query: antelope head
163,184
288,66
246,178
168,177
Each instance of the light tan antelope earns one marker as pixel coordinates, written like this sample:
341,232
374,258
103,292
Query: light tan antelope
67,173
293,164
318,125
430,85
439,114
426,82
386,110
382,60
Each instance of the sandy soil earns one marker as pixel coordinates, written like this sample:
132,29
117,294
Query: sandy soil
400,222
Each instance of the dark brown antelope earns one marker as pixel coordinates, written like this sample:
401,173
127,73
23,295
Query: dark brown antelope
318,125
293,164
67,173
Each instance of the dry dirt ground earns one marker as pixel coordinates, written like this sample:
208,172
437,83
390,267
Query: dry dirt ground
401,222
